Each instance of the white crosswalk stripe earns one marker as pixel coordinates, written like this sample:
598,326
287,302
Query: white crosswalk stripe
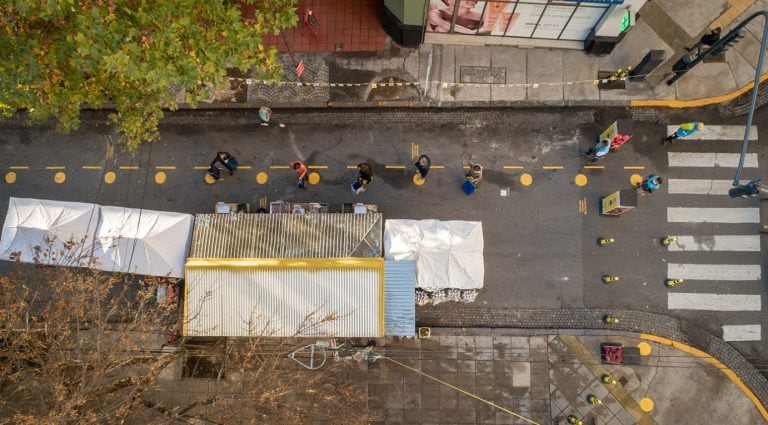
713,215
741,332
710,159
741,243
738,282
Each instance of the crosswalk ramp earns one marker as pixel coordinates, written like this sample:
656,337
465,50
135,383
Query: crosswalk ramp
735,284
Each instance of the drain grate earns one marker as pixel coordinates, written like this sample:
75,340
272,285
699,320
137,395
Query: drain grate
483,75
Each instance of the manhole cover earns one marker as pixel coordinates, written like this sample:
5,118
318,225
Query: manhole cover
483,75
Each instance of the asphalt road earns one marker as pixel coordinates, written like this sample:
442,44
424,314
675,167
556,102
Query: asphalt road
540,240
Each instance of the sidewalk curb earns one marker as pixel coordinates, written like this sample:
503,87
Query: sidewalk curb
714,362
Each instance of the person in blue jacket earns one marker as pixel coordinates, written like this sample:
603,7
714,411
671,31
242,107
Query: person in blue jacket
685,129
651,183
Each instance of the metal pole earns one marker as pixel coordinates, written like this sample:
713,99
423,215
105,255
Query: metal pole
753,102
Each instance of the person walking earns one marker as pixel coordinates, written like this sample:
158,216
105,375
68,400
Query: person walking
265,113
364,176
651,183
423,165
212,174
475,174
301,170
685,129
707,39
227,160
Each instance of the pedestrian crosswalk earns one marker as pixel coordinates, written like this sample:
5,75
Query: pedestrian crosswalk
711,222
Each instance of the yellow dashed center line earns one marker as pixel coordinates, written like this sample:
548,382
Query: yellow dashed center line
399,167
317,167
244,167
437,167
91,167
165,167
552,167
201,167
594,167
513,167
634,167
128,167
56,167
279,167
351,167
18,167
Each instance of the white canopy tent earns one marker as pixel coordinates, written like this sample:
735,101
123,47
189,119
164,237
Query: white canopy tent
49,232
448,254
143,241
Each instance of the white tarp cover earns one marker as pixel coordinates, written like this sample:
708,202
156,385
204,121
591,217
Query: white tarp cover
448,254
143,241
48,225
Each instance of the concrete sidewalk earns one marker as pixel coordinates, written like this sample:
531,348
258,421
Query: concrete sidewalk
462,75
544,378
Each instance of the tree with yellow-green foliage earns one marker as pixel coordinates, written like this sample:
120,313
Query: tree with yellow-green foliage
57,56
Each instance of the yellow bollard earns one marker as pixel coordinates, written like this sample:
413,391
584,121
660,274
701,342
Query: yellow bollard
610,319
668,240
592,399
610,279
605,241
672,282
574,420
608,380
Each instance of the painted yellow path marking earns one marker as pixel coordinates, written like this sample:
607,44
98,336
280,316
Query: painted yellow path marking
646,404
18,167
645,348
635,179
110,177
262,177
418,180
397,167
10,177
279,167
513,167
552,167
165,167
634,167
91,167
317,167
314,178
160,177
56,167
59,177
594,167
526,179
583,206
580,180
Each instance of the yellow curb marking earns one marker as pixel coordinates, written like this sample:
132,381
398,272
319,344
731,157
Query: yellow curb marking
59,177
594,167
635,179
645,348
317,167
714,362
91,167
399,167
646,404
160,177
10,177
526,179
18,167
109,177
57,167
279,167
552,167
165,167
634,167
314,178
261,177
697,102
513,167
128,167
418,180
580,180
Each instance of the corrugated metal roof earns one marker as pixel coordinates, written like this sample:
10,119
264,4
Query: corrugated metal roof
284,298
400,298
287,236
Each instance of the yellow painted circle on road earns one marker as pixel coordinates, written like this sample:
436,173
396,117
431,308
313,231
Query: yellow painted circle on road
646,404
209,179
635,179
59,177
109,177
262,177
526,179
645,348
160,177
314,178
580,180
10,177
418,180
